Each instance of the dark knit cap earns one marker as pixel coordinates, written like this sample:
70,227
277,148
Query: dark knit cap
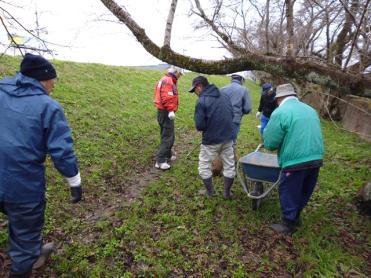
37,67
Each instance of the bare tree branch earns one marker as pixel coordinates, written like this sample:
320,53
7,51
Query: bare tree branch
26,29
222,35
356,34
169,23
10,35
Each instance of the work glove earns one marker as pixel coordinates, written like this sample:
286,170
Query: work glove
76,194
171,115
76,190
258,115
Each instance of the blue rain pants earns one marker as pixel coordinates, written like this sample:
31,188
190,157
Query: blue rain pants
25,223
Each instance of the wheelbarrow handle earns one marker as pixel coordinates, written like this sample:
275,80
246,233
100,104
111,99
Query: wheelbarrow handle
261,145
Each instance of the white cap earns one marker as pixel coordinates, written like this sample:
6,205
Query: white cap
285,90
242,74
175,70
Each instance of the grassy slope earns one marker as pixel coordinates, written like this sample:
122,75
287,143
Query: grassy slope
171,230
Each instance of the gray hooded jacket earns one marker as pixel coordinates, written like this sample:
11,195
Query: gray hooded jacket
240,99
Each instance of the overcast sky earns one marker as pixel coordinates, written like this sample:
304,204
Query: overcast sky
79,25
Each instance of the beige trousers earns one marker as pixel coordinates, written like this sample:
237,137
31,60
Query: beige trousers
209,152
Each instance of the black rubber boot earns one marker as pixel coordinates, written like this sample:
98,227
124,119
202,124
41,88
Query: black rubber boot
227,187
286,227
26,274
209,186
46,250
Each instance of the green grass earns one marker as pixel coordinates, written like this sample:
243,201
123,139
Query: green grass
170,230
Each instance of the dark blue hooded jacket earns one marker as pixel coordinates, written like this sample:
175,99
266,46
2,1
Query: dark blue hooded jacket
32,125
214,116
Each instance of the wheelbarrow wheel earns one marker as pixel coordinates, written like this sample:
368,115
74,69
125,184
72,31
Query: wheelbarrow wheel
258,190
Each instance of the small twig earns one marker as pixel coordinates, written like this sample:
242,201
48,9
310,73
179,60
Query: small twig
10,35
191,151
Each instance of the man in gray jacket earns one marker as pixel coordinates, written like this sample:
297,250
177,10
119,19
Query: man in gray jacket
240,99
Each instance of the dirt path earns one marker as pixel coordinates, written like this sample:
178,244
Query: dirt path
140,177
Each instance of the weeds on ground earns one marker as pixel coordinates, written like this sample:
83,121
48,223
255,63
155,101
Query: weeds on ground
171,230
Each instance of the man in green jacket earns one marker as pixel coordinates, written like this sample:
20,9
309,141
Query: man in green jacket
294,130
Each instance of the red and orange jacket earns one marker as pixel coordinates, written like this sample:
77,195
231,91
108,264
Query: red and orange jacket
166,93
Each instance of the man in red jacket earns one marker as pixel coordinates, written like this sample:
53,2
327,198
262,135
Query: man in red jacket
166,101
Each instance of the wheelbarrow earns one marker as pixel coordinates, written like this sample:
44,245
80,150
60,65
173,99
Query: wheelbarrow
260,174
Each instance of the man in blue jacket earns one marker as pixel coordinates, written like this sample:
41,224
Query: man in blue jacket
240,99
32,125
213,116
294,129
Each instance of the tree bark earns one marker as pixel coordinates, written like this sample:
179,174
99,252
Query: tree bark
290,27
344,35
169,23
267,26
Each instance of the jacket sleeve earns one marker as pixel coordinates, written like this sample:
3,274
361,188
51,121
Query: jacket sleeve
274,133
246,109
200,117
169,96
60,144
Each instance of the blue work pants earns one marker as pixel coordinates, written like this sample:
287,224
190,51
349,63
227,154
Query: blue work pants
25,223
295,190
263,123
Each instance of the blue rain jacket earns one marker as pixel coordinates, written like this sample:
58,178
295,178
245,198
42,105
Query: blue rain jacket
32,125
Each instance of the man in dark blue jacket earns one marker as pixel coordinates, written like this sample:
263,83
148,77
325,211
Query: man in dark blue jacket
32,125
214,117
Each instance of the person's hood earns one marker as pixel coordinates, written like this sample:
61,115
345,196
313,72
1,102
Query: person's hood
21,85
237,81
173,76
210,91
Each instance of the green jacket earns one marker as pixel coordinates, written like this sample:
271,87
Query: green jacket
294,130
